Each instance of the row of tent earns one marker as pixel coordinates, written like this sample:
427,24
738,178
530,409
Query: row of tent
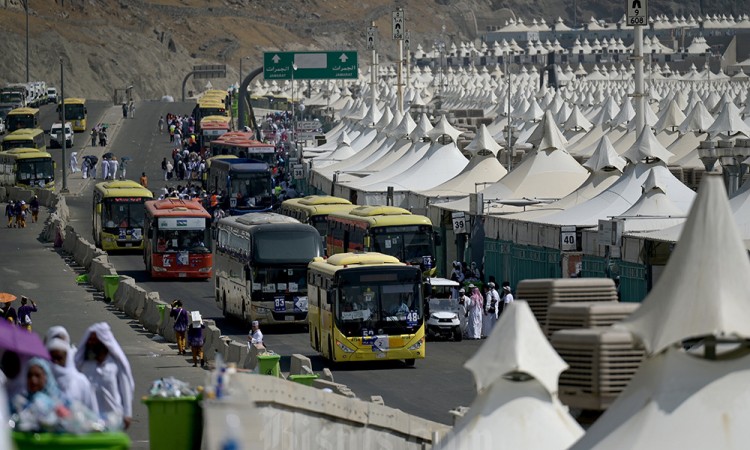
574,165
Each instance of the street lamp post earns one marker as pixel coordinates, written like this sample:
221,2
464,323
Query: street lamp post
294,113
63,138
26,8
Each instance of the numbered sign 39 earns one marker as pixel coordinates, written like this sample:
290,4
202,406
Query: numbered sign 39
568,239
459,223
637,12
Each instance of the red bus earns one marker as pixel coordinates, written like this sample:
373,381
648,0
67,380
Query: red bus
177,239
211,128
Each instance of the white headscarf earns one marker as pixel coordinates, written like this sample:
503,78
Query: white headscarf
58,332
73,384
104,333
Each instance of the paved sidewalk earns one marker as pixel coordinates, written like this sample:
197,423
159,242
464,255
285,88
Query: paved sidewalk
38,271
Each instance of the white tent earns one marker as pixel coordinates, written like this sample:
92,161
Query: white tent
516,374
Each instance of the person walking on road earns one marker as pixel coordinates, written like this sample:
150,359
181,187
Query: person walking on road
74,162
124,110
180,315
132,109
114,164
255,336
34,206
161,124
476,311
507,294
105,169
10,213
491,308
164,167
144,180
21,214
9,312
102,360
94,136
24,312
195,338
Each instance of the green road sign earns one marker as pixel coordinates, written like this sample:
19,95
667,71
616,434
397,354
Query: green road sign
310,65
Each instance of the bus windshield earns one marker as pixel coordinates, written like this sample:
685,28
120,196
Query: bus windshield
30,170
407,243
123,213
174,241
281,279
379,303
75,111
277,247
11,97
16,121
251,185
212,111
9,144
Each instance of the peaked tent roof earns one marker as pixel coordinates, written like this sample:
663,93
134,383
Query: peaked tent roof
605,156
443,127
516,344
703,288
647,146
677,401
483,142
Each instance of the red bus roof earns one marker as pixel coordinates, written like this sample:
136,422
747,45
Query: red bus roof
174,207
244,140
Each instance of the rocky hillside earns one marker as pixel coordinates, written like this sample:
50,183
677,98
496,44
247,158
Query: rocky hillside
151,45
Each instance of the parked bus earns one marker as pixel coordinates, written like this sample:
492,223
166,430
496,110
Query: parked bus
177,239
25,138
260,266
211,128
27,167
22,118
386,229
119,215
246,184
243,144
75,113
314,209
365,307
216,95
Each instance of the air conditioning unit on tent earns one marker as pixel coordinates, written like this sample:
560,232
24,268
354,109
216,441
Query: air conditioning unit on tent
565,316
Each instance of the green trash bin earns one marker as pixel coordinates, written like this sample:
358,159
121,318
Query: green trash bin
55,441
307,380
111,282
174,423
268,364
161,312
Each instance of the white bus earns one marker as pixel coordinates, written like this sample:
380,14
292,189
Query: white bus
260,267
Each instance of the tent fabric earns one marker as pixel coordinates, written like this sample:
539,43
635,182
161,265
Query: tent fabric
521,415
483,142
620,197
480,170
443,128
647,146
709,262
677,401
516,345
605,156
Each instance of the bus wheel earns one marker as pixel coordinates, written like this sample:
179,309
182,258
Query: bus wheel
410,362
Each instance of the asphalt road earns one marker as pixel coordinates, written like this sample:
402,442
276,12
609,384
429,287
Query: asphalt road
430,389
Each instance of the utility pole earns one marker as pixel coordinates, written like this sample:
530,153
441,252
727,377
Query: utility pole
26,8
398,35
63,137
372,33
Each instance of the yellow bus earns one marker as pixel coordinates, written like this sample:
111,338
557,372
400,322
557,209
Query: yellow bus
25,138
119,215
209,107
22,118
28,167
216,95
75,113
314,209
365,307
386,229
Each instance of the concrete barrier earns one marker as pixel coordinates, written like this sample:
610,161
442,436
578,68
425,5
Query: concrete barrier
135,302
3,194
18,193
212,341
126,286
166,326
71,238
251,359
236,353
300,365
150,315
99,267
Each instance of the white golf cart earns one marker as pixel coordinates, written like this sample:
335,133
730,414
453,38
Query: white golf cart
445,317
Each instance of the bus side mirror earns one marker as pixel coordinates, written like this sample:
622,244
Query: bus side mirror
367,243
436,237
98,209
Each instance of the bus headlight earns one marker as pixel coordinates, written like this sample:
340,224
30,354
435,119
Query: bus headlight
262,310
417,345
204,269
343,347
159,269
